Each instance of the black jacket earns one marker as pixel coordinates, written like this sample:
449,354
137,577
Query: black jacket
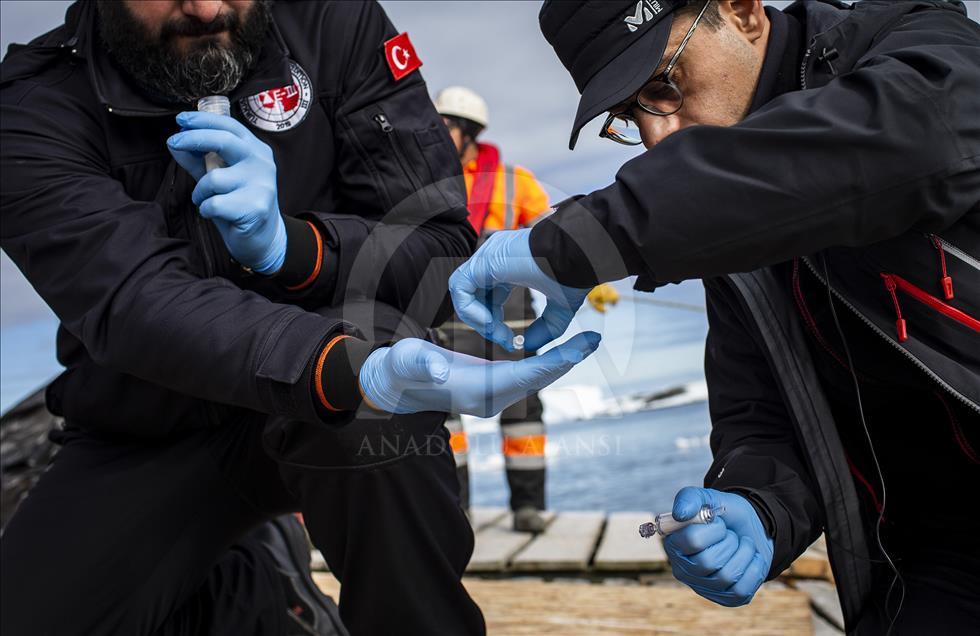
159,327
872,165
878,150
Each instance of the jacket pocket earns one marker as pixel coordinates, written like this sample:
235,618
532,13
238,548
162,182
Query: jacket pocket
399,155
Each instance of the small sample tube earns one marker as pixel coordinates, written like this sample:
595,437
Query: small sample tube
664,523
219,105
518,343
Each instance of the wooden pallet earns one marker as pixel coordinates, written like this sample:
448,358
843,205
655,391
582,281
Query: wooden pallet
594,574
587,543
622,547
515,607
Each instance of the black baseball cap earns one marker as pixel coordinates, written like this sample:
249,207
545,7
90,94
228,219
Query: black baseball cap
610,47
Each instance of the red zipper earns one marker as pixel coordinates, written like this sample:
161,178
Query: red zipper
895,283
945,281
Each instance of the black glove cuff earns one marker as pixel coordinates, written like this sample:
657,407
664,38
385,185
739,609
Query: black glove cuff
304,255
336,371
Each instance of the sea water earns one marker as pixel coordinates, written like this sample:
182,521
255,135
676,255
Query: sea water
609,447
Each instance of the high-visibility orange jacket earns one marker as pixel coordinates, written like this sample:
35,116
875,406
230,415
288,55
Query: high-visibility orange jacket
501,197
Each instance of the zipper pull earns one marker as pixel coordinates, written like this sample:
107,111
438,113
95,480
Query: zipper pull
946,281
900,327
828,57
384,123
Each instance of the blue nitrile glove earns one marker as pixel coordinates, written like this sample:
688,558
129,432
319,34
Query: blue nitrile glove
414,375
242,198
481,285
726,560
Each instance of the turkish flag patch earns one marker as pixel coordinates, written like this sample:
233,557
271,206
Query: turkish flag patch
401,56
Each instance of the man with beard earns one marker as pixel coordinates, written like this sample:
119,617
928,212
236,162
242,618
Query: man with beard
194,304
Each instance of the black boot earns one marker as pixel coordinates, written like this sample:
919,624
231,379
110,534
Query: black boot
309,611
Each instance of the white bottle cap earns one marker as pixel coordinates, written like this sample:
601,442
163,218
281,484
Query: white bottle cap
217,104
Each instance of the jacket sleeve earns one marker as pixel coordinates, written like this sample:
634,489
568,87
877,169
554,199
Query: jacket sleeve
404,225
889,146
104,262
753,441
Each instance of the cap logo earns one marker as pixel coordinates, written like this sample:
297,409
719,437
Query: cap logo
646,10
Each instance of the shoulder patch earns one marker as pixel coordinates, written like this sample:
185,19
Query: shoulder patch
283,108
401,56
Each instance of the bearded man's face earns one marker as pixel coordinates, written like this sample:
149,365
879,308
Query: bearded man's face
179,51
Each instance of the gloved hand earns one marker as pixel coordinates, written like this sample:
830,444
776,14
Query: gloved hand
726,560
480,286
601,295
242,198
414,375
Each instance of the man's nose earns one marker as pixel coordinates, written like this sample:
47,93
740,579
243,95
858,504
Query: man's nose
203,10
656,128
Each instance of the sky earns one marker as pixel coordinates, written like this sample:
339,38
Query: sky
492,47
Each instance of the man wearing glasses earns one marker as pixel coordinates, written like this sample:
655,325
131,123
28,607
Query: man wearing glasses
819,168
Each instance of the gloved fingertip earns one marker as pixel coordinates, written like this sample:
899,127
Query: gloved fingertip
439,370
503,336
687,503
593,338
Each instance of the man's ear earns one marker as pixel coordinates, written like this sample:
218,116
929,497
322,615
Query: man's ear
747,17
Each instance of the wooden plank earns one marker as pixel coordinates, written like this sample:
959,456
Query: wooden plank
622,547
567,544
317,562
823,598
822,627
497,543
524,607
812,564
482,517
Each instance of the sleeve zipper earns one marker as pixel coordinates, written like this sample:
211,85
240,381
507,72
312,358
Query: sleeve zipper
396,148
386,126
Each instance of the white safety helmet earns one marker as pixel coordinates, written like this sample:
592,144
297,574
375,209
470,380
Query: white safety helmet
458,101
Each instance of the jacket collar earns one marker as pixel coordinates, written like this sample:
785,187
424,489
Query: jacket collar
122,96
783,53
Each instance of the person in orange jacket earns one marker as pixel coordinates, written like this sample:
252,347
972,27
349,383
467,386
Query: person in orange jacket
502,197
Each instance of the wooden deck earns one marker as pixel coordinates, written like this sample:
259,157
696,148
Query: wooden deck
515,607
591,573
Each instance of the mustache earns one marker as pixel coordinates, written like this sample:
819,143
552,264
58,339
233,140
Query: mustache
194,28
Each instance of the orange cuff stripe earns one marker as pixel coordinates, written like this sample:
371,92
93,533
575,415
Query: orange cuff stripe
318,377
529,445
458,442
319,261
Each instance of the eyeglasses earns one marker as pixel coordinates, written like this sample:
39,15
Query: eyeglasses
659,96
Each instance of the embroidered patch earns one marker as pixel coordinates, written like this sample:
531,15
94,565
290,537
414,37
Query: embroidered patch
280,109
401,56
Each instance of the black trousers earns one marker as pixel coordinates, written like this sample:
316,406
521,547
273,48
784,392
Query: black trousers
150,536
130,537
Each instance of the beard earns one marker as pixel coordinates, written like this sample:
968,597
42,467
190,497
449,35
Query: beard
207,67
